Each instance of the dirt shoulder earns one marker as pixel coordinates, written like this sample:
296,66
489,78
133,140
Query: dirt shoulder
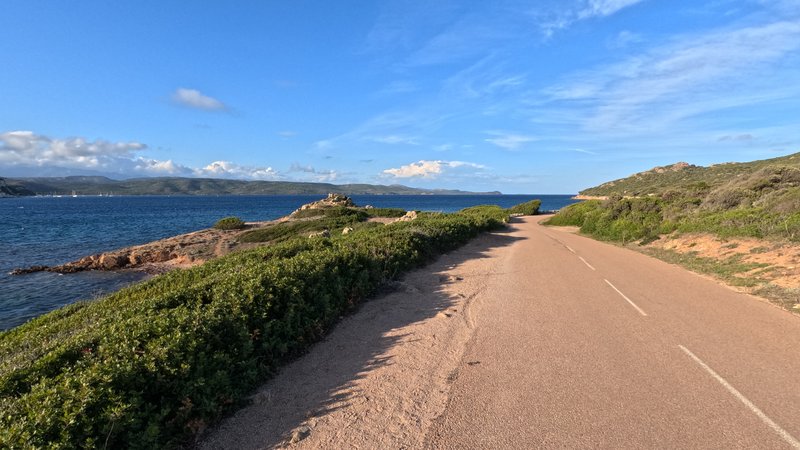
383,374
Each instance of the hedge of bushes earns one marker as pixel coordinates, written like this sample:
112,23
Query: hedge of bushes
154,364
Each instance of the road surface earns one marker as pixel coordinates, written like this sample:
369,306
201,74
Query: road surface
563,342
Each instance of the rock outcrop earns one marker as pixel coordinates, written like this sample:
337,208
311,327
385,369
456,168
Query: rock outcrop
155,257
408,217
331,201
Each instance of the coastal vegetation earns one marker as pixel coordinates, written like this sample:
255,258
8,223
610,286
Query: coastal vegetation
153,365
529,208
687,177
762,204
666,210
97,185
229,223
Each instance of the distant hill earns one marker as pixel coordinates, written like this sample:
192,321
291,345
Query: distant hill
11,188
98,185
682,176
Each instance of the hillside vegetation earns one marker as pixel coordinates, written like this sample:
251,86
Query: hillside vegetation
94,185
683,176
11,188
761,201
153,365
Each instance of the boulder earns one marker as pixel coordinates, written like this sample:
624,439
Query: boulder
112,261
320,234
408,217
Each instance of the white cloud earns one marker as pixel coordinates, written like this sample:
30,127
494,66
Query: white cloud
394,139
509,141
156,167
227,169
689,76
27,147
736,137
583,10
429,169
443,147
624,39
602,8
388,128
193,98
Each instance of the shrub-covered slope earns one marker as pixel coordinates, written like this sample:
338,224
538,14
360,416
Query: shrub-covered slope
683,176
761,202
153,364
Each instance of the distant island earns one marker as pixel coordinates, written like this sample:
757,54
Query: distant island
98,185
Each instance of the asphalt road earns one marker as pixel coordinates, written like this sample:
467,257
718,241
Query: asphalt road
581,344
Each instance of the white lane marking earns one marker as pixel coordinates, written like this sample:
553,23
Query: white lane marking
777,428
626,298
587,264
569,248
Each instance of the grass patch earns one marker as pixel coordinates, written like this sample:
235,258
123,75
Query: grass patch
783,297
729,270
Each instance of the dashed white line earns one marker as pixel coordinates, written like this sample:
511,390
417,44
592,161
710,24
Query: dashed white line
587,264
777,428
569,248
626,298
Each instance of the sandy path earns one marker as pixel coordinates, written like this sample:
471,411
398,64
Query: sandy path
383,375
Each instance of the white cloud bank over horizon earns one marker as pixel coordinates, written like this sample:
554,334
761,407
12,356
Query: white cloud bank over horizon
31,150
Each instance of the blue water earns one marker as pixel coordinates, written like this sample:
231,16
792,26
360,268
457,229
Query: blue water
52,231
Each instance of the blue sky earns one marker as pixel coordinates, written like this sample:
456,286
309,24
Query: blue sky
516,96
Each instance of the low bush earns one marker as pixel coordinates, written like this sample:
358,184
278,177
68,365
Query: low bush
574,214
229,223
154,364
282,231
530,208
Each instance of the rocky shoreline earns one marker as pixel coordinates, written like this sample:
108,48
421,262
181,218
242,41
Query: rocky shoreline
184,250
188,249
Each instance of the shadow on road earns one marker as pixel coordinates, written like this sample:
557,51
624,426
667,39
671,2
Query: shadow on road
325,379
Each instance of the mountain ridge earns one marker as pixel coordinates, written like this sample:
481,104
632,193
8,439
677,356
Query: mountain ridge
101,185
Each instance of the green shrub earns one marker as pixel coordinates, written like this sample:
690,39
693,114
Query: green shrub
530,208
575,214
278,232
385,212
153,364
229,223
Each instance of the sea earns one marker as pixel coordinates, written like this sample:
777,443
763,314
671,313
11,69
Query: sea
56,230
